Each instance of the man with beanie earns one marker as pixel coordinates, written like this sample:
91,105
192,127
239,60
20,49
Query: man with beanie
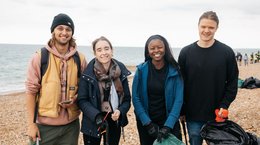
52,93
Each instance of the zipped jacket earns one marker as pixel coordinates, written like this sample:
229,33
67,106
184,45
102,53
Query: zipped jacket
89,99
173,95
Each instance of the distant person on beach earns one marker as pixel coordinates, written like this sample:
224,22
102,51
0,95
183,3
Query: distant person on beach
257,57
210,75
53,115
239,58
104,96
252,58
157,92
245,59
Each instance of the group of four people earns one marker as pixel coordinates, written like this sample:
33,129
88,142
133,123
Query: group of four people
203,79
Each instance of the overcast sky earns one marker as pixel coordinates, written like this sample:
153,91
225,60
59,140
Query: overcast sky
131,22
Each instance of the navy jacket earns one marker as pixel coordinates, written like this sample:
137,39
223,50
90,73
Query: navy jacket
173,95
89,98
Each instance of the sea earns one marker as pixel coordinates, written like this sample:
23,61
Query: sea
15,57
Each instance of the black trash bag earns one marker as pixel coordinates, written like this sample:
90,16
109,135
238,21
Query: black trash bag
257,82
253,139
224,133
249,83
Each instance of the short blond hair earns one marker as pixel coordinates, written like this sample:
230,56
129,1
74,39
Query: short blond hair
210,15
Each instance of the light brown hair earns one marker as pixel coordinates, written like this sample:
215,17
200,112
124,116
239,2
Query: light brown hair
209,15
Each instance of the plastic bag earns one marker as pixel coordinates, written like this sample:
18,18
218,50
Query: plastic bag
240,83
114,101
171,140
224,133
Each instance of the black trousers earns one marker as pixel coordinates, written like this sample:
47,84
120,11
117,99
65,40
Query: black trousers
113,135
146,139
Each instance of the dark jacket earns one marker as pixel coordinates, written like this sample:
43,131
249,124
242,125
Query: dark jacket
89,98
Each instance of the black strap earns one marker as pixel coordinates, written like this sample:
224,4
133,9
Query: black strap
36,108
44,65
45,61
77,60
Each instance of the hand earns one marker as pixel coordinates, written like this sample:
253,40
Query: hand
33,132
183,118
221,114
115,115
68,103
152,129
163,133
101,123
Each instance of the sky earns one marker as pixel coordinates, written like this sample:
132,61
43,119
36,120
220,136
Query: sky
131,22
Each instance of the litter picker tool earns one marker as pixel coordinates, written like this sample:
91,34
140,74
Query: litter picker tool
184,131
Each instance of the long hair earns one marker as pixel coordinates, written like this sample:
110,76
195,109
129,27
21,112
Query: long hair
168,57
72,42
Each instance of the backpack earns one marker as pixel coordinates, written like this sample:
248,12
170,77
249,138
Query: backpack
226,133
44,66
45,62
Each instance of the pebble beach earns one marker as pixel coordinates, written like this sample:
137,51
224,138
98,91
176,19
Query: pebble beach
245,111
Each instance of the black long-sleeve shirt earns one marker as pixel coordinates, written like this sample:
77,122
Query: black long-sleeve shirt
156,93
210,79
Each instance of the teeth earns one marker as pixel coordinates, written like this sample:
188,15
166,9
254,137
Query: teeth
157,55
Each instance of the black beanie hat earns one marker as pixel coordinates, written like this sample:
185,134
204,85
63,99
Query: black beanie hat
62,19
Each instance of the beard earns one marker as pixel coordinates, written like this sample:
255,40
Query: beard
64,42
61,42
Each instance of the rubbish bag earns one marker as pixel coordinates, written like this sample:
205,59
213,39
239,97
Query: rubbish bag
113,98
171,140
224,133
249,83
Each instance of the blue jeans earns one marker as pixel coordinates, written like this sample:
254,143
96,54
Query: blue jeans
194,132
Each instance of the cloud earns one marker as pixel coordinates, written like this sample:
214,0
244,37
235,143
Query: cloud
130,23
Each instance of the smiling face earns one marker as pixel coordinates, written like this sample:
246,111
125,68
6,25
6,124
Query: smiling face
103,52
207,29
156,50
62,34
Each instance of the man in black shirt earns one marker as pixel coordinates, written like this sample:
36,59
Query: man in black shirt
210,77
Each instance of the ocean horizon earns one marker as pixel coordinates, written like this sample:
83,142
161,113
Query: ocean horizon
15,57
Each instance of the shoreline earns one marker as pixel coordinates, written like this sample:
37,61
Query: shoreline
12,93
131,68
243,74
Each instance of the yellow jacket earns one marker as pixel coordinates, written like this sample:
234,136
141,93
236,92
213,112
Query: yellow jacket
50,92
